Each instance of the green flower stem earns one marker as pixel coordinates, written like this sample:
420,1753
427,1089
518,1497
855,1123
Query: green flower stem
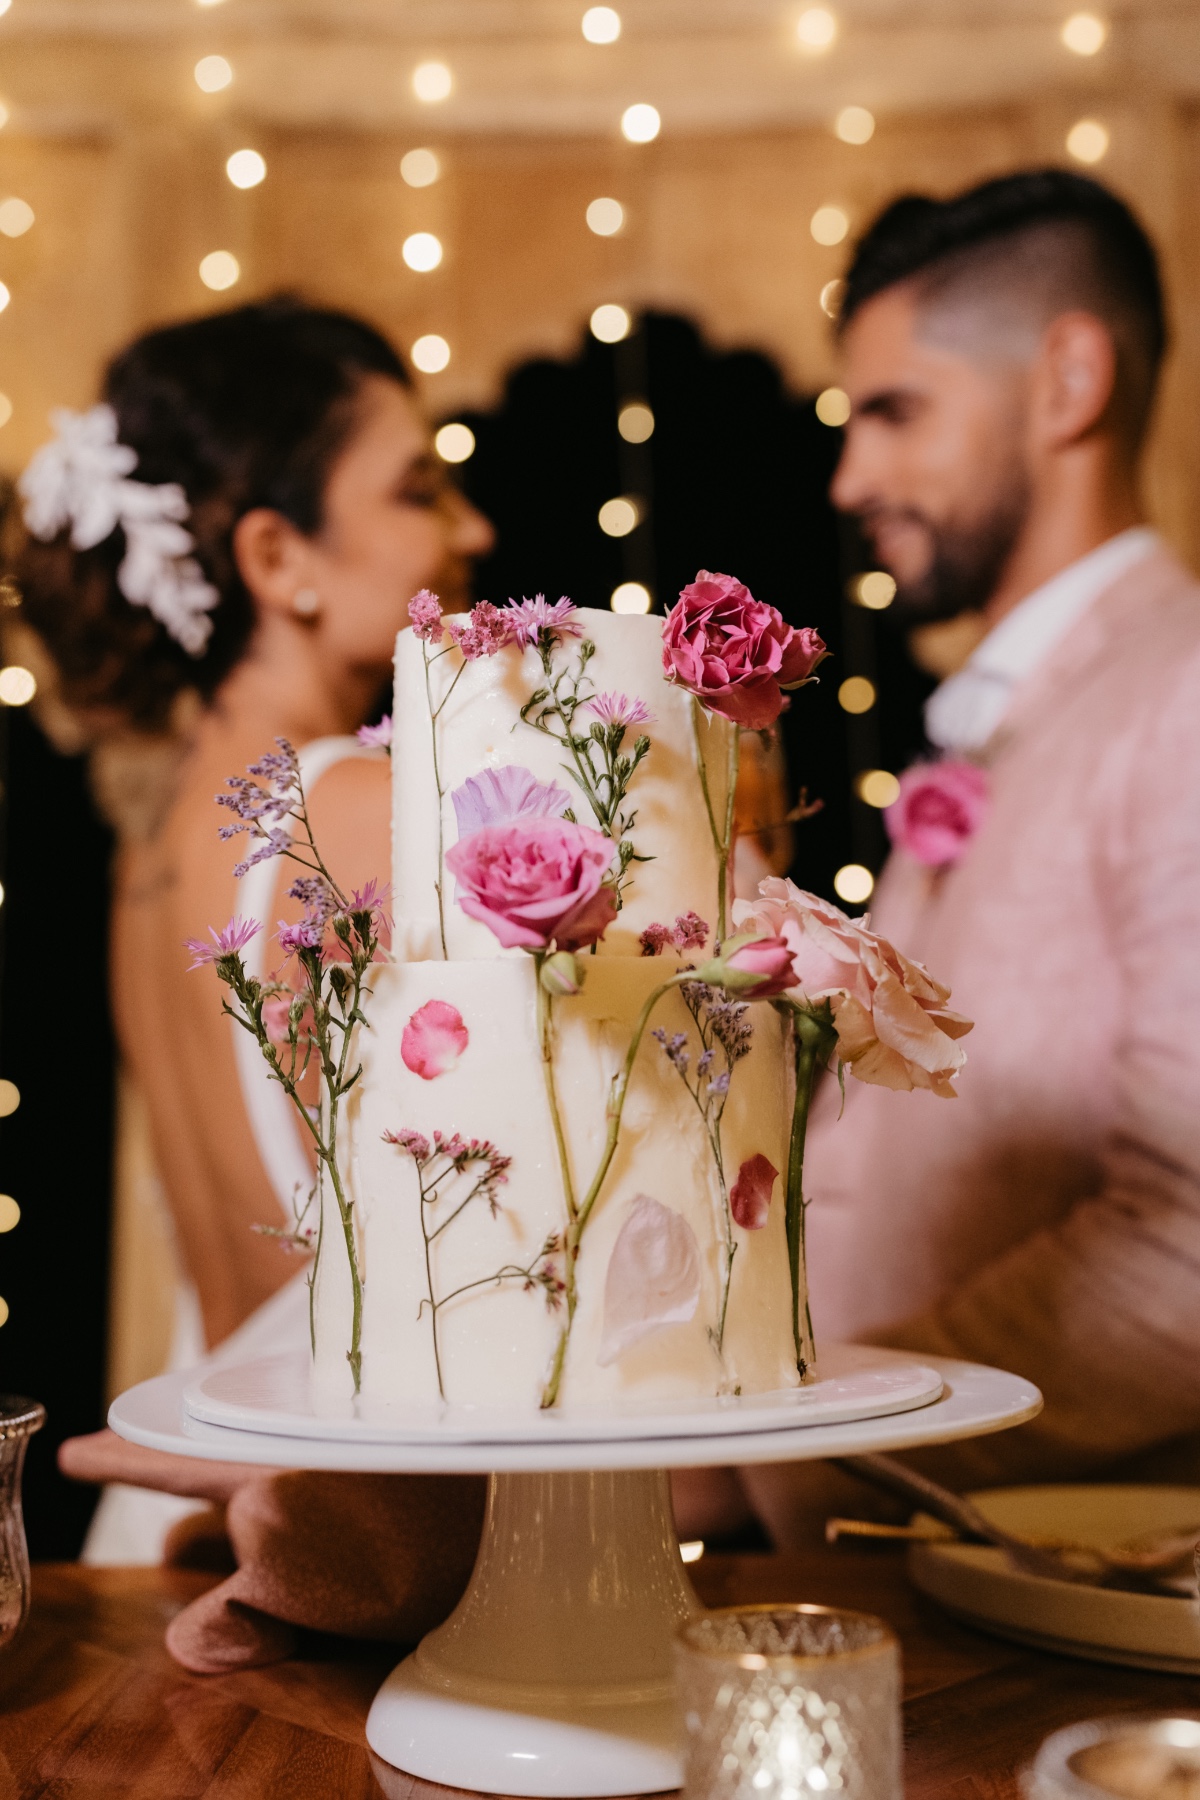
813,1039
577,1224
722,837
545,1024
435,713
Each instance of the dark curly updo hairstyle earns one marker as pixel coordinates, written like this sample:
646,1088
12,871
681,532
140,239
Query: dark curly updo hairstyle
243,409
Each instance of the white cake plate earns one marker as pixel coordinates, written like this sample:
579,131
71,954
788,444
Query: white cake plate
553,1676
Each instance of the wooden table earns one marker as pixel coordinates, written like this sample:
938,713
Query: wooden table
92,1707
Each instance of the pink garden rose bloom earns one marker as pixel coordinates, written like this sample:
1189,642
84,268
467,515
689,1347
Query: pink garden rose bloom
750,1196
653,1277
941,807
536,881
434,1039
893,1025
734,653
495,796
761,967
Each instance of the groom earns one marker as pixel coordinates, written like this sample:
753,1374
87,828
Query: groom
1001,353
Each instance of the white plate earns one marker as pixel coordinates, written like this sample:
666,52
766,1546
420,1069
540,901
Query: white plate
1146,1631
974,1400
275,1394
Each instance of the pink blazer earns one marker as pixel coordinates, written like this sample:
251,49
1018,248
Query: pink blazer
1048,1220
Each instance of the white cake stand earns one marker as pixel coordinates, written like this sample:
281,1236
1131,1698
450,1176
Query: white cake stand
553,1676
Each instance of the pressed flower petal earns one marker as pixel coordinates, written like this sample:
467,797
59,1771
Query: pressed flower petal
434,1039
750,1197
653,1277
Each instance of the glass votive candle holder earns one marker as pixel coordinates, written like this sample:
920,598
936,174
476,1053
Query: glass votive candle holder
1132,1758
788,1702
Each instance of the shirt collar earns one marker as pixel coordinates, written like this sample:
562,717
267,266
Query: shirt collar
965,710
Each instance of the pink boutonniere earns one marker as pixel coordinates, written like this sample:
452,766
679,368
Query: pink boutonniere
940,808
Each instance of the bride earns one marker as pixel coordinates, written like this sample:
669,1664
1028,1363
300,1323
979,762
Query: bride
218,555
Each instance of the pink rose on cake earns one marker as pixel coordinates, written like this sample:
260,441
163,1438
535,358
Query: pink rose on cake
734,653
536,881
496,796
940,808
893,1026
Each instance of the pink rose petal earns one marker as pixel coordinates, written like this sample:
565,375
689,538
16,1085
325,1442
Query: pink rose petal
653,1277
434,1039
750,1200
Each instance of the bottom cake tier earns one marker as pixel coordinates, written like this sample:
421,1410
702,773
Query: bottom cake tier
461,1248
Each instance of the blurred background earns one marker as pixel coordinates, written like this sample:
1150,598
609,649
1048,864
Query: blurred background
609,239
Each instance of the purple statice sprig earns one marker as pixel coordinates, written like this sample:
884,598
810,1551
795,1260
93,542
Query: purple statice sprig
453,1172
725,1033
425,617
315,1020
597,757
689,932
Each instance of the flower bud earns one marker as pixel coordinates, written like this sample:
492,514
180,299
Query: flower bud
752,964
562,974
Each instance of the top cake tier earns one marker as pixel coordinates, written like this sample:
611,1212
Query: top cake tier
478,726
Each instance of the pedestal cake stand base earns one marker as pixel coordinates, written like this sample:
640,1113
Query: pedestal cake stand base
553,1675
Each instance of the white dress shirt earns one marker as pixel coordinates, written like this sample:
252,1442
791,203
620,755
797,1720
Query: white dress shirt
965,710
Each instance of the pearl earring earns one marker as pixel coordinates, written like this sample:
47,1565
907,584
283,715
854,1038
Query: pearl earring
306,603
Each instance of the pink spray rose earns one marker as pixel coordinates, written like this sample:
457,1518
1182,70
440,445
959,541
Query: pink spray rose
750,1197
734,653
757,963
893,1026
941,807
534,881
434,1039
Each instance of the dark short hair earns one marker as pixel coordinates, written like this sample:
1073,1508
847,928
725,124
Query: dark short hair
245,408
1096,256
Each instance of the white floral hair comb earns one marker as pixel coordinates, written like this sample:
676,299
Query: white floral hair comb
81,479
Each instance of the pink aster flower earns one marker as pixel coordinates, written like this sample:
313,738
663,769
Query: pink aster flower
481,632
230,942
306,935
496,796
425,616
434,1039
940,808
750,1196
537,620
617,709
734,653
376,737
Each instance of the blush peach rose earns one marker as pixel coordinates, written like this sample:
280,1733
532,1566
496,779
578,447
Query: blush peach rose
893,1025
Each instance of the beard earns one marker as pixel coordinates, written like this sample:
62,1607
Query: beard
966,559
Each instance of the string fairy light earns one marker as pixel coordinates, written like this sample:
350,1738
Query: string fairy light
245,168
816,30
219,270
212,73
832,406
854,125
605,217
601,25
854,883
829,225
610,324
1084,34
430,354
420,168
640,123
432,82
422,251
1087,142
455,443
619,517
635,422
631,597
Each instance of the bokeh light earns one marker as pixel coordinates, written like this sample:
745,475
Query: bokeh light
431,82
212,73
455,443
831,298
631,597
635,422
853,883
854,125
10,1213
16,216
1087,141
605,217
832,406
430,354
5,296
420,168
829,225
10,1098
17,688
610,324
422,251
246,168
878,787
619,517
856,694
641,123
6,412
601,25
219,270
875,590
816,29
1084,33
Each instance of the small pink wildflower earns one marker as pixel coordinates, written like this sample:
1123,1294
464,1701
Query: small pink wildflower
407,1139
434,1039
306,935
230,942
376,737
655,939
425,616
689,932
482,632
537,621
618,709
